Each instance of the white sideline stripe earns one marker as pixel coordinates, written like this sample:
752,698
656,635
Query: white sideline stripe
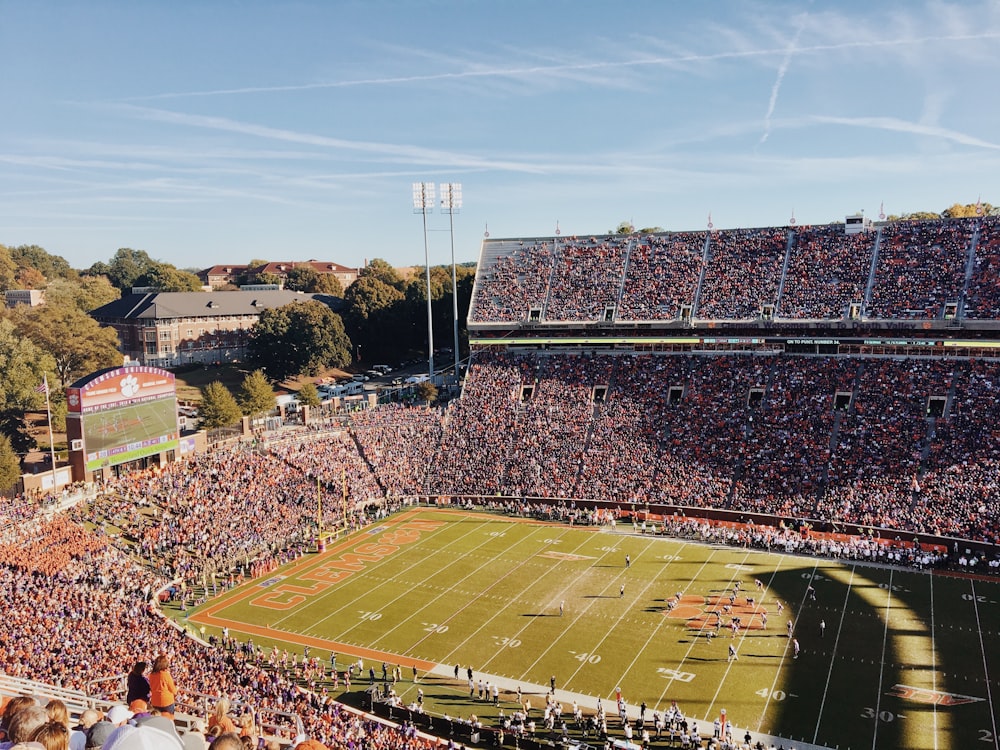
833,656
986,668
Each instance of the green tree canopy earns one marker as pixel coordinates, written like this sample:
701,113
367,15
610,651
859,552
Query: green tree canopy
218,407
968,210
37,258
256,394
383,271
10,465
8,270
22,365
301,279
299,339
86,294
308,395
76,342
125,268
327,283
166,278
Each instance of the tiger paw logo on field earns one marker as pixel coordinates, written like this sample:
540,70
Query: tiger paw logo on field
716,611
129,386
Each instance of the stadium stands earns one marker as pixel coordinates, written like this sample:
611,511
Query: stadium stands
898,438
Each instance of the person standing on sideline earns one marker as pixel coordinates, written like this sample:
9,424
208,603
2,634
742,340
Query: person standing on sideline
621,591
628,560
789,628
732,653
562,606
822,628
795,648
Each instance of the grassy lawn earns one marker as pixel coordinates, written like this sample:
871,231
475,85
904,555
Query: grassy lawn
902,660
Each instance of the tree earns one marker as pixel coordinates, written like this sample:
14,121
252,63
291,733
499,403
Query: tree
8,270
37,258
256,394
300,338
166,278
625,227
967,211
426,391
383,271
328,283
126,266
30,278
10,466
308,395
86,294
218,407
77,342
22,366
301,279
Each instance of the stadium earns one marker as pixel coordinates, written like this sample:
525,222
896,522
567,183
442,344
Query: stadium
662,441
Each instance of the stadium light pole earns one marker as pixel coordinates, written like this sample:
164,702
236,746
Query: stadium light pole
423,203
451,204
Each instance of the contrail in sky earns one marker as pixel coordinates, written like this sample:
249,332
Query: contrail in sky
782,69
545,69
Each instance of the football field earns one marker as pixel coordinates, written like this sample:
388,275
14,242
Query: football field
888,658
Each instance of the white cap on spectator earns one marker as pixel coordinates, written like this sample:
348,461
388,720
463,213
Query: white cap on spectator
119,714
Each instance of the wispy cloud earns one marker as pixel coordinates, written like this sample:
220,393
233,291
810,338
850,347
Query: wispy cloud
528,71
401,152
786,61
897,125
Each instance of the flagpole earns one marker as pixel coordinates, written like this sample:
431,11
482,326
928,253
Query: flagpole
52,444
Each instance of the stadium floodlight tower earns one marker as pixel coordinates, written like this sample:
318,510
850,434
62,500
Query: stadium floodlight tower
451,204
423,204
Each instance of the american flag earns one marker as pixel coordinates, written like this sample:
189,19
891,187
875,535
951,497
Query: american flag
43,387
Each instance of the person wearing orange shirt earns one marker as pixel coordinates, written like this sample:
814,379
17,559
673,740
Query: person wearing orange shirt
162,690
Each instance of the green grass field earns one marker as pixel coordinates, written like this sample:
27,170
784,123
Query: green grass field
904,661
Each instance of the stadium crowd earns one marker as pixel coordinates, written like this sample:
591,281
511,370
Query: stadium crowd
920,267
905,445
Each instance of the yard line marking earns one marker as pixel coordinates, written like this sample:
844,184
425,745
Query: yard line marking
881,668
434,572
934,716
729,666
662,623
336,591
694,639
586,538
788,642
986,668
833,656
608,632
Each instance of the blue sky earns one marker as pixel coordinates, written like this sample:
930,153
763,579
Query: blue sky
216,132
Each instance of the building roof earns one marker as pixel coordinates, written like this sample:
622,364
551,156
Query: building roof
165,305
279,268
